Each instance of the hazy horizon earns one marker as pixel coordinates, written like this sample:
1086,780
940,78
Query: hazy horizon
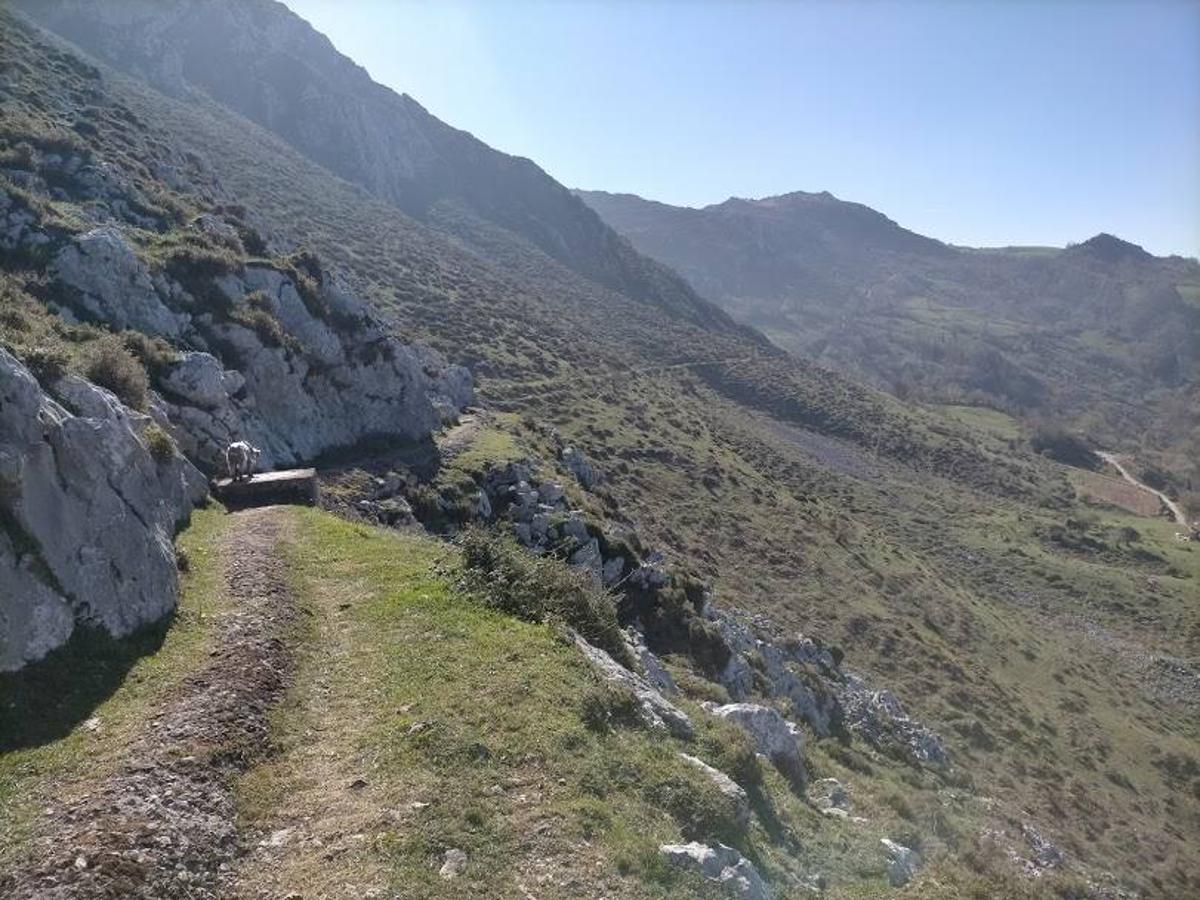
980,125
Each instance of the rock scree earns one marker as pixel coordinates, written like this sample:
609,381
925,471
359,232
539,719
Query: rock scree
163,823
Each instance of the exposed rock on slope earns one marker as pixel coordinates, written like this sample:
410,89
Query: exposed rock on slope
294,363
87,515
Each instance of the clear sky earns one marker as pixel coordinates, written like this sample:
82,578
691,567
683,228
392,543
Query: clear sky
976,122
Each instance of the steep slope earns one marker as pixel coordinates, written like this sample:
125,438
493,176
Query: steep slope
1102,334
269,65
943,561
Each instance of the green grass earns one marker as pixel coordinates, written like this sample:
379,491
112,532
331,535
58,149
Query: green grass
493,447
998,423
43,751
439,700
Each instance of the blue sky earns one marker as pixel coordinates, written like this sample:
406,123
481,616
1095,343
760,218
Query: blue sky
981,123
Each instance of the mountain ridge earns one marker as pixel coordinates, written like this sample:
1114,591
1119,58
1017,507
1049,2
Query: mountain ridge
945,323
271,66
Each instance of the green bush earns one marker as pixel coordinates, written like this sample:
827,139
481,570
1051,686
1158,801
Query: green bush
112,366
155,354
701,811
161,447
538,589
48,364
728,748
1064,447
607,707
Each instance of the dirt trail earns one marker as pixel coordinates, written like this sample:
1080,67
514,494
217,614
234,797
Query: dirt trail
1176,510
460,436
163,824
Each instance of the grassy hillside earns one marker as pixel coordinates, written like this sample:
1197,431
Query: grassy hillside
1101,335
1048,646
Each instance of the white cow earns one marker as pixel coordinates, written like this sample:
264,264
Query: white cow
241,459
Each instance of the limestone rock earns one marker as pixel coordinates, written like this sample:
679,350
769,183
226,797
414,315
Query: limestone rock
588,557
829,794
612,570
902,864
579,466
728,788
882,720
112,285
454,863
201,380
657,711
652,666
779,664
721,864
87,515
774,736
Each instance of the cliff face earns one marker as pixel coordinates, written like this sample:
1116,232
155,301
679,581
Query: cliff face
87,514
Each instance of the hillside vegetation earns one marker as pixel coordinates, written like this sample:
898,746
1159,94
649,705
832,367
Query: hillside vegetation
1101,336
1049,643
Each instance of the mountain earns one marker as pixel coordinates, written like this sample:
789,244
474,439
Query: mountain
272,67
1101,336
883,621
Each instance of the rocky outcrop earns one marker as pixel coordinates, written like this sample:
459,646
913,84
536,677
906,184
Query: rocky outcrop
87,515
774,736
797,671
902,862
652,667
728,788
656,710
880,718
721,864
296,370
108,283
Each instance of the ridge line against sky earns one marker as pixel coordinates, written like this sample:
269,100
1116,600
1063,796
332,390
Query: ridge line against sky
979,124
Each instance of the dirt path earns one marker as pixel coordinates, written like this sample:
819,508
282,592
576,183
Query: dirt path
1176,510
460,436
163,824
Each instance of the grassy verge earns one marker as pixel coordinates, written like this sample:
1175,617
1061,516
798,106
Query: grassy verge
421,721
65,720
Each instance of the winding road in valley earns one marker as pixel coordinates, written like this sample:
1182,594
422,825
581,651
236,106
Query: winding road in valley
1176,510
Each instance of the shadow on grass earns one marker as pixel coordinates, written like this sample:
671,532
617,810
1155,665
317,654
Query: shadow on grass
47,699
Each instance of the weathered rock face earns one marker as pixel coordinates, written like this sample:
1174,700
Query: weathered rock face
903,862
109,283
656,710
296,377
774,736
728,788
795,670
721,864
879,717
87,515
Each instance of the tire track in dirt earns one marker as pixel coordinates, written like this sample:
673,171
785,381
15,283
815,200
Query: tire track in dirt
163,824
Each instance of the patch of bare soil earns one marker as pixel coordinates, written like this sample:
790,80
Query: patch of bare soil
163,824
460,436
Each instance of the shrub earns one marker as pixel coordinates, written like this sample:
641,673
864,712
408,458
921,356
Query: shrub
1063,447
506,577
112,366
702,812
265,325
606,707
48,364
155,354
159,443
732,751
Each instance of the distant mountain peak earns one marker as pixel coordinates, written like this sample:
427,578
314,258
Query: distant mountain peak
1110,248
